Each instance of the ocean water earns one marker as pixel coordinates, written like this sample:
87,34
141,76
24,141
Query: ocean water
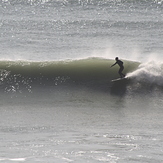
57,101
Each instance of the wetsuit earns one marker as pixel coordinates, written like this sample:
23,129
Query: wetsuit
120,63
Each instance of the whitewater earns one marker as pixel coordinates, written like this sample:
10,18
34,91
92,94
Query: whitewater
57,99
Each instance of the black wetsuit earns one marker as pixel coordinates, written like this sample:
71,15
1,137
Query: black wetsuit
120,63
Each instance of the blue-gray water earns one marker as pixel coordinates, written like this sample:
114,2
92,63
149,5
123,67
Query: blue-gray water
57,101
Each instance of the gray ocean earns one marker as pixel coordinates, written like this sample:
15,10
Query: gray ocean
58,103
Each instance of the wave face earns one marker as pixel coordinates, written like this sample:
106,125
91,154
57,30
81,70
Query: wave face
90,71
95,73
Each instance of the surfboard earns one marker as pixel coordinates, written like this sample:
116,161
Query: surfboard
119,79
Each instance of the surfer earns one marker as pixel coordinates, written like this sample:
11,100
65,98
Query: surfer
120,63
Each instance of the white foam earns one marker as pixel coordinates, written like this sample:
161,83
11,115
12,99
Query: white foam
151,72
13,159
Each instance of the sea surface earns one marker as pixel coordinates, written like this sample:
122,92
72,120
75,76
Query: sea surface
58,103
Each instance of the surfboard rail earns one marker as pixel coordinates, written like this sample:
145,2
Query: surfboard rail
119,79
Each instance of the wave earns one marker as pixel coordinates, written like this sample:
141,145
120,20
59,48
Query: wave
95,73
83,71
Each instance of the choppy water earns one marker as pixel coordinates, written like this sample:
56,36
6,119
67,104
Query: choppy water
58,103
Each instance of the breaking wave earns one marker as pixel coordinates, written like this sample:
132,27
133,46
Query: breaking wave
150,73
17,76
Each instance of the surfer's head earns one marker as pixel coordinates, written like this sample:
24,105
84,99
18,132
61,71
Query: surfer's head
116,58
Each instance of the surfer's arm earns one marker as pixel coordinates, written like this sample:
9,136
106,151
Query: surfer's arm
113,64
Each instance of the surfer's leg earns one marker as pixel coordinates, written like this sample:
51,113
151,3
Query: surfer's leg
120,72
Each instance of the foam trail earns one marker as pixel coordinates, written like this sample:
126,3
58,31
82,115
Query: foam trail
150,72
